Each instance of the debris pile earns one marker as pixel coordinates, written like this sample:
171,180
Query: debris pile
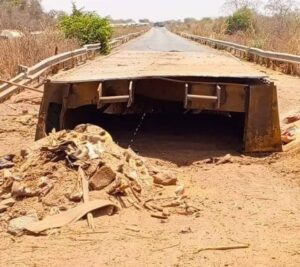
290,134
62,171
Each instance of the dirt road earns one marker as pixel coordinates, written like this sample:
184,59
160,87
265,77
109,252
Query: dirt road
252,201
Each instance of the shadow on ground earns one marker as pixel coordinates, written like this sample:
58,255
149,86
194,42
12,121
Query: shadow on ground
179,138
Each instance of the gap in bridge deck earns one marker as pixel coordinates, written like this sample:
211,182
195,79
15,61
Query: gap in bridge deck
176,137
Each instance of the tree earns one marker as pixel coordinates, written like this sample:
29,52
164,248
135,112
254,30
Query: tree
241,20
280,7
87,27
144,21
189,20
76,11
25,15
234,5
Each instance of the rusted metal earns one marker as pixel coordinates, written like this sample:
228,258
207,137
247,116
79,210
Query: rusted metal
262,130
21,85
255,98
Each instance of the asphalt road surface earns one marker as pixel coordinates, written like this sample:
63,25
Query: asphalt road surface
162,40
160,52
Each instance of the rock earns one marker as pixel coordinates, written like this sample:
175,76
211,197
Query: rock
75,196
24,153
6,196
6,161
226,159
3,208
166,212
102,178
17,226
292,118
45,186
7,174
208,161
94,130
8,202
186,230
165,178
179,190
19,190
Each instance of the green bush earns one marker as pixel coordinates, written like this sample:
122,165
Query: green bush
87,27
241,20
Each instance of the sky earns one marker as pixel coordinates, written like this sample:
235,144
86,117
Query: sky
155,10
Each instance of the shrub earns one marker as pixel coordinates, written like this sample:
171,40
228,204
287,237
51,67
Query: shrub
241,20
87,27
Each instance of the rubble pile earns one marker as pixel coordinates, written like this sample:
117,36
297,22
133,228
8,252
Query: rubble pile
290,133
47,179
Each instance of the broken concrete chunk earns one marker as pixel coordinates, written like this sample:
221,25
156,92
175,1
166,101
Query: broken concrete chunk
72,215
7,174
6,162
179,190
166,212
3,208
292,118
186,230
94,130
226,159
102,178
18,225
75,196
165,178
8,202
19,190
45,186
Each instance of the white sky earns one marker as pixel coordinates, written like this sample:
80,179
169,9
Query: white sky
154,10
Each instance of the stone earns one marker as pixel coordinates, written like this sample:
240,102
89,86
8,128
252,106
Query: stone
166,212
186,230
102,178
165,178
17,226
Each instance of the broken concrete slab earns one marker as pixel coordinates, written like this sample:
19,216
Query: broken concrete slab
18,225
165,178
102,178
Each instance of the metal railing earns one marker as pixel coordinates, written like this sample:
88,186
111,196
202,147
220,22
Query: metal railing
53,64
252,54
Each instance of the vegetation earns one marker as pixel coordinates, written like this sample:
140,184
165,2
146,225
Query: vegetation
241,20
275,26
87,27
28,16
29,50
25,15
125,30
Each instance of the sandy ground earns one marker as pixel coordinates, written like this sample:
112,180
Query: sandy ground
254,200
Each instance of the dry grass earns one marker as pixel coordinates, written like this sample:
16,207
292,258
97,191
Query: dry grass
29,50
270,33
124,30
29,16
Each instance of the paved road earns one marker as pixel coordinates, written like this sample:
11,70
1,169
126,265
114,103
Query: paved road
161,40
160,53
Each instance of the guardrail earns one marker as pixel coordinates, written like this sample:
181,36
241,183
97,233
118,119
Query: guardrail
39,72
268,58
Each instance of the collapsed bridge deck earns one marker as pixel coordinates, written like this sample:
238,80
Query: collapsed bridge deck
66,105
137,82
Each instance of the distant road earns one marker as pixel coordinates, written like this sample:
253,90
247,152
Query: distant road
161,40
